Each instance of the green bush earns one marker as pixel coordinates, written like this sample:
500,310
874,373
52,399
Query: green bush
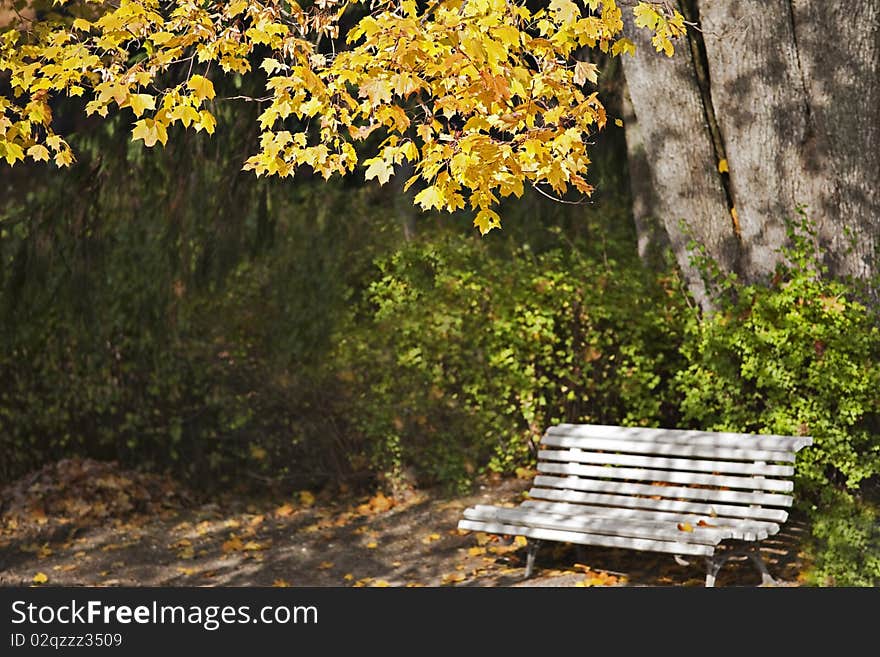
798,357
471,351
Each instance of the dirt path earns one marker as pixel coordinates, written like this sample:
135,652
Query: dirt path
86,523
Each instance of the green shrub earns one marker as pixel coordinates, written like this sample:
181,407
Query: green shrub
798,357
471,353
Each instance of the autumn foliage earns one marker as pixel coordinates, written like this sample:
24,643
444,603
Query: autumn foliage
481,96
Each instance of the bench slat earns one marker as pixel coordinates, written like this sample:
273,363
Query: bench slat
644,447
626,488
601,458
675,477
627,518
684,437
746,530
587,539
702,508
604,526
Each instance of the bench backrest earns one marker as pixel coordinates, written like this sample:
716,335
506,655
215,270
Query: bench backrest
731,475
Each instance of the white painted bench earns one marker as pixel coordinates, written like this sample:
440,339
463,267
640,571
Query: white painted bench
657,490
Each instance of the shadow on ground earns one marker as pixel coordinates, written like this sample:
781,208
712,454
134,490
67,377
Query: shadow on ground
307,541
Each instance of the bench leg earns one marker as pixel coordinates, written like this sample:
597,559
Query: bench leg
530,556
714,563
713,566
755,556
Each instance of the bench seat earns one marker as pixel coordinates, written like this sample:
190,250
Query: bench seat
657,490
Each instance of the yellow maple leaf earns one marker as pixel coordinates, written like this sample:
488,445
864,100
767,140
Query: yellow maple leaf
430,197
235,8
565,10
40,578
486,220
64,158
379,169
206,122
38,153
623,46
150,131
646,15
202,87
722,165
140,103
377,90
585,71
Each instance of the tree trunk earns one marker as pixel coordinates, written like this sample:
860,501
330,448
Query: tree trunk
674,136
790,93
653,240
839,53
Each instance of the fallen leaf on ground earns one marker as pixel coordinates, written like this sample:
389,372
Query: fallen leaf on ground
281,583
325,565
40,578
232,545
451,578
430,538
284,510
372,545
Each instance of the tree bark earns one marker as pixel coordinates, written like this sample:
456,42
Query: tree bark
790,92
653,240
839,52
689,197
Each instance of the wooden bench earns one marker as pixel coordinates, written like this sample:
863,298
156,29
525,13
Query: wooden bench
657,490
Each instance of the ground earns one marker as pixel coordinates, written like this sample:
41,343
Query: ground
82,522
